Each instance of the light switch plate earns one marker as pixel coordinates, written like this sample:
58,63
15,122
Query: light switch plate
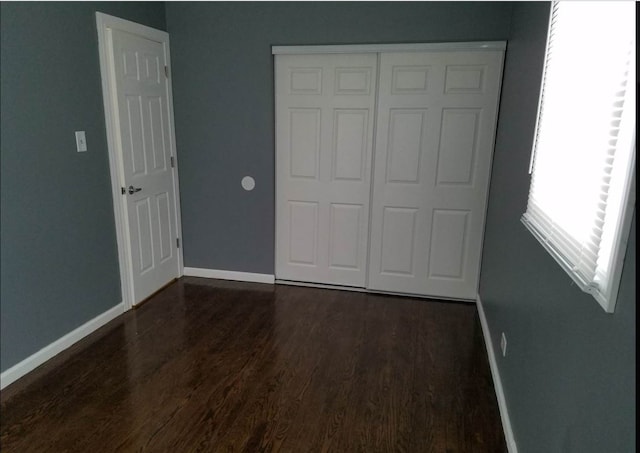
81,141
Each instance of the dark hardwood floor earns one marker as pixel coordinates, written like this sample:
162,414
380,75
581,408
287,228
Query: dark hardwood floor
214,366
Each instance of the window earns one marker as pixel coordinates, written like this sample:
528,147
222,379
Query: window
581,197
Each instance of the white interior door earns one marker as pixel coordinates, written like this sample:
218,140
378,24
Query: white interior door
435,131
143,127
324,130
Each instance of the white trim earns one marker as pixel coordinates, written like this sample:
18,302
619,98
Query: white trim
497,382
229,275
174,148
541,91
621,238
104,24
114,170
374,48
35,360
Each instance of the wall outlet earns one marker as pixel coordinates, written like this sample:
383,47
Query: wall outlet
503,344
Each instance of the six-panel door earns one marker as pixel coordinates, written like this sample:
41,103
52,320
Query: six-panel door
434,142
145,143
434,133
324,131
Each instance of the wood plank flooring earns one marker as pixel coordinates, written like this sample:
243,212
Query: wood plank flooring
214,366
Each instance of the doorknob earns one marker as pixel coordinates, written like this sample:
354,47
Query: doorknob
133,190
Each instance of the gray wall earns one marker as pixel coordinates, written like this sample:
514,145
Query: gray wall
569,373
223,100
58,244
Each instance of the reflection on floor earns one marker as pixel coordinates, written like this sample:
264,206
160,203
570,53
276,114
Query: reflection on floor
209,365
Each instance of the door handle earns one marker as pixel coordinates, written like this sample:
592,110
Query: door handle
133,190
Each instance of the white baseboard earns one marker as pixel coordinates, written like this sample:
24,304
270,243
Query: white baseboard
229,275
35,360
497,382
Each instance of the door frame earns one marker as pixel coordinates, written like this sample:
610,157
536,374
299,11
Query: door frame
105,23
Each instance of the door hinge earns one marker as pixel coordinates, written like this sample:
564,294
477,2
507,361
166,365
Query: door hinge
173,162
178,242
166,71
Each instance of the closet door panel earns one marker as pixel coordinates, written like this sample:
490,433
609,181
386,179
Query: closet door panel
304,139
324,135
434,142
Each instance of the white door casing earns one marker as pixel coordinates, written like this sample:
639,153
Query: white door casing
324,130
435,130
139,116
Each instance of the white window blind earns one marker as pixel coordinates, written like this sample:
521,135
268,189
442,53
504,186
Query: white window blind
584,148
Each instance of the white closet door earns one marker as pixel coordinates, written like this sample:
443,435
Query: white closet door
434,143
324,131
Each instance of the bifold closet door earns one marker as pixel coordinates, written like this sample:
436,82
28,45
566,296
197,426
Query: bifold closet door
434,143
324,130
